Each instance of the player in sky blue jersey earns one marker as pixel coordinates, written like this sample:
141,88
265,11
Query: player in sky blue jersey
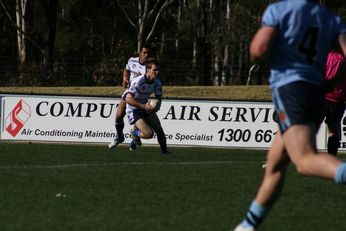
295,36
140,112
303,43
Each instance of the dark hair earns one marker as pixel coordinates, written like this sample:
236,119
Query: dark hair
151,61
145,45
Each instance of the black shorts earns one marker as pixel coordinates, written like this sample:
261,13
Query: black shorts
299,103
334,111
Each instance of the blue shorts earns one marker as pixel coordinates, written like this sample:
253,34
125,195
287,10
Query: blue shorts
135,115
299,103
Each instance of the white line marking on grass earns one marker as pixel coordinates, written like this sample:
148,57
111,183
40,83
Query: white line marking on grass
57,166
85,165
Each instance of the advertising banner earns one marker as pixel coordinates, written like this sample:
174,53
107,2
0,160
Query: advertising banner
222,123
48,118
185,122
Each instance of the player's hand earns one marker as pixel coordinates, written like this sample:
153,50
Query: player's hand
125,82
137,74
158,106
148,108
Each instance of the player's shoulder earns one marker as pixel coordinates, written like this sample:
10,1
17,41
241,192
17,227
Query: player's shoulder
139,79
296,5
157,82
133,60
274,13
279,5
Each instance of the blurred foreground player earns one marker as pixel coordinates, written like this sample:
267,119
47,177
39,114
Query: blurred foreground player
296,36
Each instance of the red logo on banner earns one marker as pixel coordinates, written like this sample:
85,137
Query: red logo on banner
17,118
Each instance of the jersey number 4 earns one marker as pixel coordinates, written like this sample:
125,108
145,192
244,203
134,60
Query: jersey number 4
307,46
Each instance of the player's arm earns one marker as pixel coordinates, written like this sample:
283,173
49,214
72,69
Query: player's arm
331,81
330,84
261,43
131,100
158,94
342,43
341,73
158,106
126,77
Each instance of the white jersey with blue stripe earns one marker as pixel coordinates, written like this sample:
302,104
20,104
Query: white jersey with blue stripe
135,67
141,89
307,32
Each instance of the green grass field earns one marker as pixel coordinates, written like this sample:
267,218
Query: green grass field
80,187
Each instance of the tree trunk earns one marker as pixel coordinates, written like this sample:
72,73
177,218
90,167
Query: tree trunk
50,10
163,41
225,65
142,17
240,62
20,13
180,9
215,24
202,46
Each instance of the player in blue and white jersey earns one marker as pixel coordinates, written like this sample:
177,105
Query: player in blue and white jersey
140,112
296,36
135,67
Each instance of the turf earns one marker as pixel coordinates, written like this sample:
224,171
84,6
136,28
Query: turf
72,187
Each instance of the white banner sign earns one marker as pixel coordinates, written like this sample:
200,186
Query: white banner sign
185,122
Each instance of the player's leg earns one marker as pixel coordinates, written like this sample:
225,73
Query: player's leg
273,180
334,137
300,115
271,186
119,118
119,124
155,124
136,118
334,114
142,130
136,141
299,141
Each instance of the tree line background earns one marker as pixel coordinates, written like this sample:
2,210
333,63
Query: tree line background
88,42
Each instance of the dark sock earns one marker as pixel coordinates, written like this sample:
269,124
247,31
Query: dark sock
333,145
163,146
119,128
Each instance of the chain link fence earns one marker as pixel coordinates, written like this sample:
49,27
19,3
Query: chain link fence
82,71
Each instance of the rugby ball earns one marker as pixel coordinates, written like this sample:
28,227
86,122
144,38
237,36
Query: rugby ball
154,103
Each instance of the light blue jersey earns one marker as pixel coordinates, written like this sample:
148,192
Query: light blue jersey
307,31
141,89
